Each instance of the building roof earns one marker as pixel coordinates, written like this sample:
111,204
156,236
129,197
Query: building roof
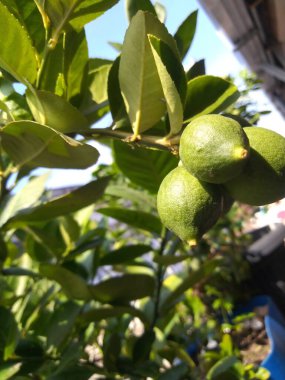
256,29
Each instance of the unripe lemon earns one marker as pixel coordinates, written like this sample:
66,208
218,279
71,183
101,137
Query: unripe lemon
187,206
263,178
214,148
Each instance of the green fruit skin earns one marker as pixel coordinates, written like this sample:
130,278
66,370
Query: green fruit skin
263,178
214,148
187,206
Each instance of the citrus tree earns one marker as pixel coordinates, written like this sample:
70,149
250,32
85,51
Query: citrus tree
91,282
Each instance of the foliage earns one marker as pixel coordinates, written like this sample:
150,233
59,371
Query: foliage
90,281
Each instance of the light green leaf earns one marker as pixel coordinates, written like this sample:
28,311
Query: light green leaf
20,62
208,94
70,202
134,218
160,11
185,33
124,254
141,86
27,197
171,95
8,370
144,167
221,367
101,313
32,144
118,289
73,285
133,6
192,279
98,80
55,112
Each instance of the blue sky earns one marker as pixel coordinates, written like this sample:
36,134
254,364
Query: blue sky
208,43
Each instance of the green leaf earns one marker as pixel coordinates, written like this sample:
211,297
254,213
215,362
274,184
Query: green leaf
72,284
112,348
185,33
9,333
70,202
146,168
160,11
208,94
21,62
27,197
192,279
133,6
178,372
170,259
222,367
141,86
8,370
142,346
124,254
33,144
197,69
74,13
102,313
55,112
126,288
134,218
98,80
171,95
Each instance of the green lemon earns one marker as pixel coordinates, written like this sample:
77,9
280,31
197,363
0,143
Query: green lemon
187,206
214,148
263,178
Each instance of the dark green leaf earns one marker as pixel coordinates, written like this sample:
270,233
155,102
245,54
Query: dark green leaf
16,271
126,288
9,333
112,349
116,101
142,347
133,6
200,274
70,202
21,62
33,144
54,111
170,259
144,167
124,254
73,285
208,94
177,372
197,69
102,313
134,218
185,34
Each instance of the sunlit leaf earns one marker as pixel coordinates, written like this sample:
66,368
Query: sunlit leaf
221,368
171,95
141,86
8,370
208,94
185,33
9,333
21,62
55,112
133,6
34,144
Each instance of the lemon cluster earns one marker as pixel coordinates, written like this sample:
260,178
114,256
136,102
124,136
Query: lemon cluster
220,162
